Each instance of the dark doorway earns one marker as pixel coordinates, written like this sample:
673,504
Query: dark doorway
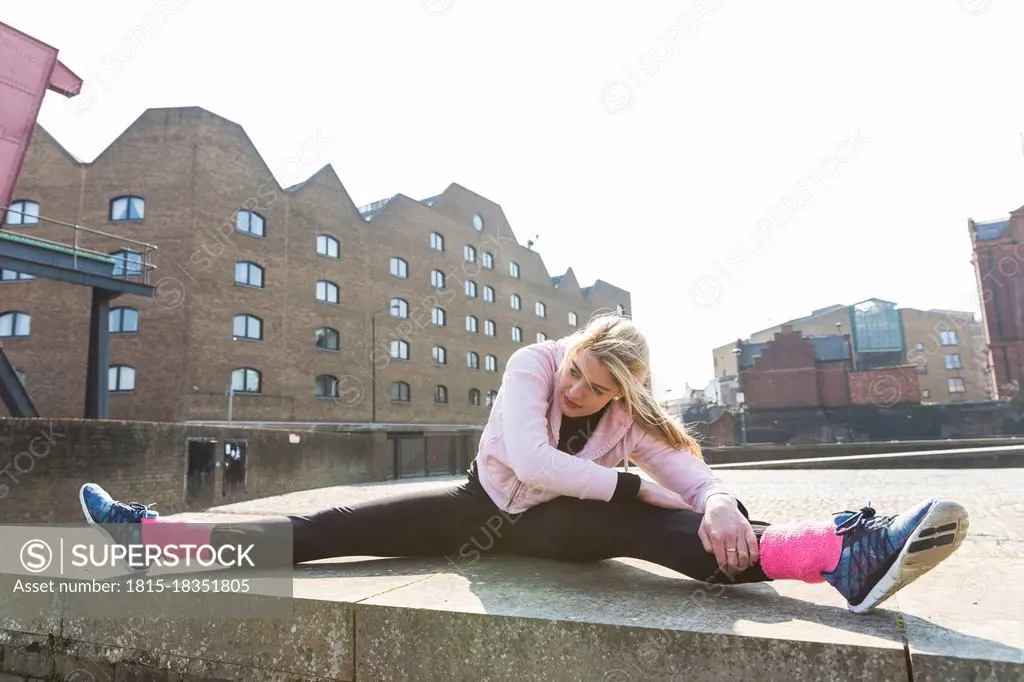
410,456
234,467
199,479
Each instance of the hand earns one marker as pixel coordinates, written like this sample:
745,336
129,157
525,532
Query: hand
654,494
727,534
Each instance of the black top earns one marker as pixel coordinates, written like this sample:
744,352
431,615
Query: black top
574,434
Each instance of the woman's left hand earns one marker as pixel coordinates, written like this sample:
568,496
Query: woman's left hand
727,534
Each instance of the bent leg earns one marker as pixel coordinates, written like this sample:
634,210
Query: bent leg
570,529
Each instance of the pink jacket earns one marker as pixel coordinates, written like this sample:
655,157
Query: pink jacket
520,467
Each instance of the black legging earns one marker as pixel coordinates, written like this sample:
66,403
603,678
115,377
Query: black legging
462,523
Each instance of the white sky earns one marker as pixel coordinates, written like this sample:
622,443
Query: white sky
649,182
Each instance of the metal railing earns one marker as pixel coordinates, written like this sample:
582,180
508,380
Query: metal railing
144,249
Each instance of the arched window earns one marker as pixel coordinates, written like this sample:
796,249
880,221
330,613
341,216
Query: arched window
15,324
120,378
246,380
327,386
399,349
326,245
399,268
328,339
491,396
248,327
400,392
248,274
490,364
123,320
327,292
472,360
441,395
437,279
470,288
127,263
22,212
440,355
438,317
399,308
128,207
251,223
474,397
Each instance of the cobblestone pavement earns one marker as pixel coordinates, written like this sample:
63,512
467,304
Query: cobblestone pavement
992,496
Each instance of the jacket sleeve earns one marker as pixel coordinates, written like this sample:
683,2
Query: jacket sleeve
527,385
678,470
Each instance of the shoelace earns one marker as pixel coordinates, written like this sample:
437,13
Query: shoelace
865,518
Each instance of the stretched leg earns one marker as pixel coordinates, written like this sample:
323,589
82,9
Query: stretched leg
866,557
431,523
570,529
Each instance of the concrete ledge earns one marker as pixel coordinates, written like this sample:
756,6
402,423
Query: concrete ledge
514,618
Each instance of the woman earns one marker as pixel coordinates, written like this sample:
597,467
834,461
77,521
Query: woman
545,484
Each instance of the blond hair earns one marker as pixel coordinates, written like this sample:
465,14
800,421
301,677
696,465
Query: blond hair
615,342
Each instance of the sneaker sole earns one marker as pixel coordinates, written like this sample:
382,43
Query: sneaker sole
939,534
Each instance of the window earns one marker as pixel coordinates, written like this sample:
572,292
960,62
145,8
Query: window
127,208
399,268
437,279
437,316
488,260
399,350
246,380
517,334
472,360
121,378
248,327
469,254
948,337
619,309
541,337
328,339
478,222
491,397
490,364
440,355
15,324
251,223
326,386
22,213
248,274
470,288
436,241
474,397
399,308
489,328
516,302
127,263
540,309
123,320
573,320
327,291
326,245
471,324
956,385
513,269
400,392
12,276
440,395
489,294
953,361
926,394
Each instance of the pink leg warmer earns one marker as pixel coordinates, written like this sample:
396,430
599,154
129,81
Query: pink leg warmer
801,551
163,532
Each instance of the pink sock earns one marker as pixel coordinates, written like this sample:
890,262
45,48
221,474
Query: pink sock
163,532
800,551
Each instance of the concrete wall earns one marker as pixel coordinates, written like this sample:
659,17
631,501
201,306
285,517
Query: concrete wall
45,462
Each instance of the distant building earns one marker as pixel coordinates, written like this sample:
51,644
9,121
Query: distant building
945,349
998,259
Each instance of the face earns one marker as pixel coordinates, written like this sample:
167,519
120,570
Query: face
585,387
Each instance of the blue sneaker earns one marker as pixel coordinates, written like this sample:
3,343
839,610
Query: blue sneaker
122,522
882,554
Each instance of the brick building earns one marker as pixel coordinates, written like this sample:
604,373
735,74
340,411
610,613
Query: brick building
792,370
999,268
945,348
276,293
